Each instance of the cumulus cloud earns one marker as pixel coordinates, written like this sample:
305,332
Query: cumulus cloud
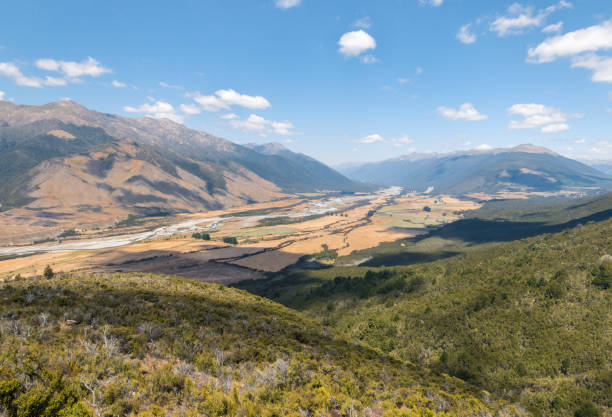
353,44
1,95
118,84
484,147
466,111
71,69
190,109
225,99
229,116
601,66
157,110
554,28
287,4
10,70
519,18
538,116
465,34
262,126
591,39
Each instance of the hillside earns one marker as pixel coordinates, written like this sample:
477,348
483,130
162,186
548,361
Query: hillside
291,175
311,169
56,176
529,320
145,345
523,168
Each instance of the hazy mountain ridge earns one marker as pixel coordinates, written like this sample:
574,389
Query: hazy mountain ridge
522,168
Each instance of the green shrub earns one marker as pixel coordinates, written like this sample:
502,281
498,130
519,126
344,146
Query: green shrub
230,240
48,272
587,409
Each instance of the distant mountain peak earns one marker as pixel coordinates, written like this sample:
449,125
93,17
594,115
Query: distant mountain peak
270,148
530,148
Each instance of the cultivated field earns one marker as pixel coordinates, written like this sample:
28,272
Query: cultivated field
271,236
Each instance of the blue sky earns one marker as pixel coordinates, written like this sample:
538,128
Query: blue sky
341,80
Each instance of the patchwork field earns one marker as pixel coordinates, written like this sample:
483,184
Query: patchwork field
270,237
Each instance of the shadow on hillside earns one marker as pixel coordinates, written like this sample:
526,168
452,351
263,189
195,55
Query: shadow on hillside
196,265
407,258
483,231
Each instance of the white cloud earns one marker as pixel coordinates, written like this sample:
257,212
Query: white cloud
374,138
363,23
555,128
484,147
118,84
466,111
601,66
225,99
10,70
1,95
520,18
287,4
355,43
590,39
72,69
175,87
609,111
547,119
434,3
369,59
418,70
401,141
54,81
554,28
157,110
465,34
229,116
190,109
403,80
259,124
580,141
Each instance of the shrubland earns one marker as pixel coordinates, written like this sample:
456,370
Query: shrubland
148,345
529,320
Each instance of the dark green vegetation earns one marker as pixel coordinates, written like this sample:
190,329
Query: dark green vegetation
528,320
230,240
518,168
202,236
146,345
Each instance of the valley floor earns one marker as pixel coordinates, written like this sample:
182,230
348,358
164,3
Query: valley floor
271,237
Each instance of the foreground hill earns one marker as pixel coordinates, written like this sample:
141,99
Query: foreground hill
290,174
145,345
523,168
529,320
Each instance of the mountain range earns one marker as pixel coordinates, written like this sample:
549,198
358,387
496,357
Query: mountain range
62,158
521,168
